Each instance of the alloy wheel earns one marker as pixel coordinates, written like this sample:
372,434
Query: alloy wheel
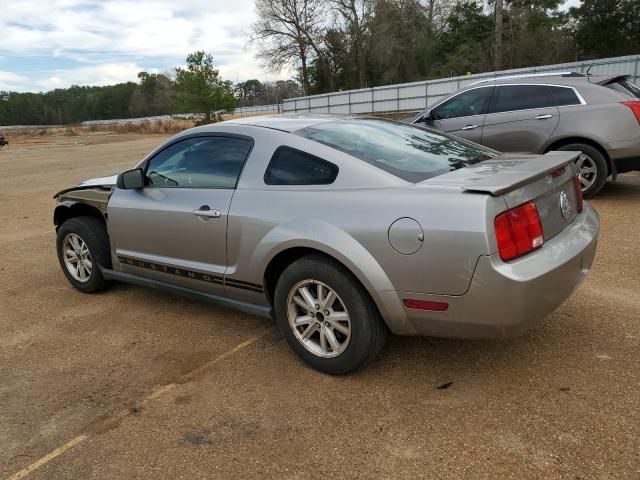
77,258
318,318
587,171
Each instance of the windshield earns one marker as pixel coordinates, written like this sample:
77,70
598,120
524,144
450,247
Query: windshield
411,153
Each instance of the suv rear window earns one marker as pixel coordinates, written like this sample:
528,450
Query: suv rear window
509,98
411,153
625,86
564,96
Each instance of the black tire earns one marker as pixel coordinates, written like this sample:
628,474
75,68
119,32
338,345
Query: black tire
599,161
93,232
368,330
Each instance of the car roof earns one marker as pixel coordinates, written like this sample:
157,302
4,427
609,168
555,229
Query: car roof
288,122
570,79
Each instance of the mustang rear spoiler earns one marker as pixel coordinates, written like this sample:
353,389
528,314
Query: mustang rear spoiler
505,173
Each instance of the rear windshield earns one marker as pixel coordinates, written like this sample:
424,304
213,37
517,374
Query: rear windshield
411,153
625,86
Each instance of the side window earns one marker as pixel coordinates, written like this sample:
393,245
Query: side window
509,98
473,102
564,96
199,162
293,167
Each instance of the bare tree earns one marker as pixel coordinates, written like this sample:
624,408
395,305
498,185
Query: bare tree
286,31
357,14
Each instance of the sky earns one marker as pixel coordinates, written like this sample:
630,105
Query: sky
47,44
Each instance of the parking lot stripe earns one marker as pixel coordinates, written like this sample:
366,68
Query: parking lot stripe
155,394
47,458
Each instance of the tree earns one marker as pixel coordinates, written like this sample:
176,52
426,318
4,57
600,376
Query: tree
154,96
286,32
402,47
465,42
606,28
200,88
357,15
250,92
497,46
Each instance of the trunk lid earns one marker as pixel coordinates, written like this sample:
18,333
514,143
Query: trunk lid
504,173
547,180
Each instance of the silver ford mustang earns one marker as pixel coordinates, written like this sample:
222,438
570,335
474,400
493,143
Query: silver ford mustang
343,228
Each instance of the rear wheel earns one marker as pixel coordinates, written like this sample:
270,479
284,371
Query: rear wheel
327,317
83,246
591,167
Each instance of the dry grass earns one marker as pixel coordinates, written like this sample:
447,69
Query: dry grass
146,127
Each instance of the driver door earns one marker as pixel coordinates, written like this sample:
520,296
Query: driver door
463,115
174,229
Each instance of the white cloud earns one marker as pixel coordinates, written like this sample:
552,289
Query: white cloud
10,80
115,36
103,74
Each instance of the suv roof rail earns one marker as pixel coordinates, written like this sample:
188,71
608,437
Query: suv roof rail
530,75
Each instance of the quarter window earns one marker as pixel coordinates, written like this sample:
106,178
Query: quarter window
521,97
564,96
472,102
199,162
293,167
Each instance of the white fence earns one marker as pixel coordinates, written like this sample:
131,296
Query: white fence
242,111
418,95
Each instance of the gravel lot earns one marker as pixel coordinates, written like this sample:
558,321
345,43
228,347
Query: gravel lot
135,384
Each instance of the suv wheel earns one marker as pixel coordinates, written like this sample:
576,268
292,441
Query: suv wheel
591,166
83,246
327,317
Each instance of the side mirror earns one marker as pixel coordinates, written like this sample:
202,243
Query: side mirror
423,117
131,179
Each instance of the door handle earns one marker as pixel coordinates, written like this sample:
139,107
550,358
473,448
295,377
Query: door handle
469,127
543,117
205,211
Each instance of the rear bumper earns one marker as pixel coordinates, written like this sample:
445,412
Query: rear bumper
505,299
629,164
625,155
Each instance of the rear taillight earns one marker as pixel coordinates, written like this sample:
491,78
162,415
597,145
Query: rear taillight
518,231
635,108
579,195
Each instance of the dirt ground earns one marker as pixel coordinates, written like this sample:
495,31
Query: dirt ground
131,383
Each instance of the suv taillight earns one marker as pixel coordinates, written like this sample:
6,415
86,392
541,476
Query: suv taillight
580,197
635,108
518,231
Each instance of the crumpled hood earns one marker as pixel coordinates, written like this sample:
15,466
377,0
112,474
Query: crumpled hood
101,182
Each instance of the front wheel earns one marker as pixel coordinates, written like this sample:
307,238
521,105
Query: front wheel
327,317
591,167
83,246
